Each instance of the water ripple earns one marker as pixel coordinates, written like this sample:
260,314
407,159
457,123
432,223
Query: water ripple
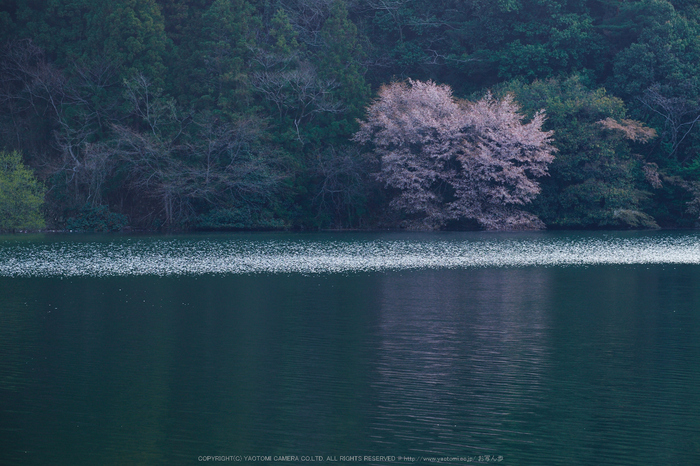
187,256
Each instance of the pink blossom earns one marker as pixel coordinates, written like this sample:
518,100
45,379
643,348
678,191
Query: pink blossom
450,159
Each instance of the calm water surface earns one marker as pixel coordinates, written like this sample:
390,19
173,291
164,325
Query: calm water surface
534,349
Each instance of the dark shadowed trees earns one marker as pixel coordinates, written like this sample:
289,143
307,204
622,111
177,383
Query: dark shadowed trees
597,180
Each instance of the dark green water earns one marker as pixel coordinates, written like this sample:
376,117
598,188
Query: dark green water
551,365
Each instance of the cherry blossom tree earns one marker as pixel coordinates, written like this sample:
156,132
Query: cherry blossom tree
449,159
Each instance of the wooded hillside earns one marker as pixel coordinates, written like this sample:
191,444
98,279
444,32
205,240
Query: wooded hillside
244,114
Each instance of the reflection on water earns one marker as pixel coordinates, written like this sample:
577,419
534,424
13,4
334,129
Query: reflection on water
541,365
285,253
461,359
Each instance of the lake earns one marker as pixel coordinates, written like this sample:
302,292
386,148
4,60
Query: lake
549,348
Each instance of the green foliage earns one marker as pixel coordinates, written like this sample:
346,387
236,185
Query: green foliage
659,75
182,19
341,62
227,41
666,50
127,33
284,37
595,180
131,33
562,43
98,219
21,195
8,9
302,74
60,27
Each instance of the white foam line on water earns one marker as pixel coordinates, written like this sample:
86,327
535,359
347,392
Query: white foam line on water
188,257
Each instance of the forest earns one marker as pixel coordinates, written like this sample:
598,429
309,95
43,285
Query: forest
181,115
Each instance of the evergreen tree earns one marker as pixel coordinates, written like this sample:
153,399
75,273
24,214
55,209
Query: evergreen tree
59,27
226,47
595,180
341,61
8,13
131,34
284,37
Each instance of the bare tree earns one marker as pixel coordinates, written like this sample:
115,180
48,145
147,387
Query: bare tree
451,160
343,184
180,161
308,17
393,9
298,93
679,115
33,86
230,164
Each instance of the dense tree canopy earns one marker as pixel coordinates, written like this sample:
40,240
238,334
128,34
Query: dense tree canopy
452,160
596,180
241,113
